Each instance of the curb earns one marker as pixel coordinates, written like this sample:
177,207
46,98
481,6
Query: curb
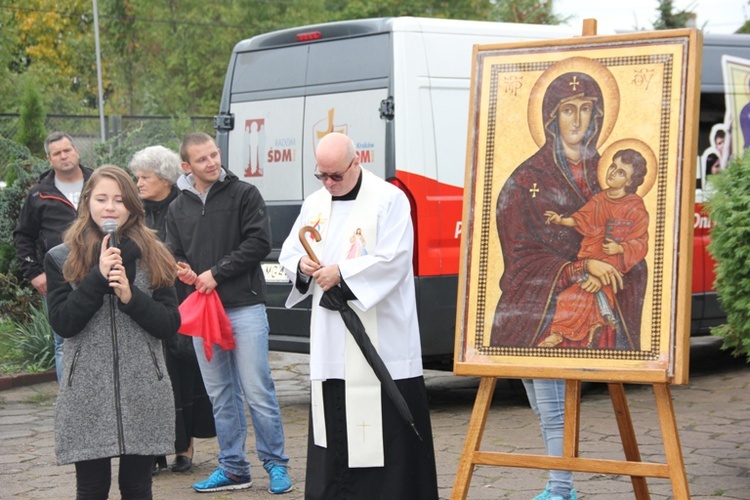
24,379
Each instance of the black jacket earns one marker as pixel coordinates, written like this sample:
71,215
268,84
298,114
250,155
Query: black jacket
46,214
230,235
156,213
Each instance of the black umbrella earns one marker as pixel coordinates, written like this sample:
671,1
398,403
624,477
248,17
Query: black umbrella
333,299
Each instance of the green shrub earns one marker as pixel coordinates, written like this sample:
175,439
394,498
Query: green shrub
33,343
729,208
17,297
11,152
8,364
16,293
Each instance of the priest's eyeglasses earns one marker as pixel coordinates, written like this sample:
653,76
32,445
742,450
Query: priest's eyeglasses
337,177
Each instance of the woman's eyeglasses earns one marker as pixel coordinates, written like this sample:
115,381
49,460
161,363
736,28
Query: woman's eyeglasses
337,177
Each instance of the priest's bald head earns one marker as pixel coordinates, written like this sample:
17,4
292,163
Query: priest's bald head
337,164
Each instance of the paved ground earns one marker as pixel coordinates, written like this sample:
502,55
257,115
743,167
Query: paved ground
713,415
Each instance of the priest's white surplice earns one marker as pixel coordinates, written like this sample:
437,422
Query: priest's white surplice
371,240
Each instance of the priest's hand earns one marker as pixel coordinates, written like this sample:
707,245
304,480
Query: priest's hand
307,266
327,277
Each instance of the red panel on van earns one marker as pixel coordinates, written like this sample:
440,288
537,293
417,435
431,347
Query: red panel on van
438,207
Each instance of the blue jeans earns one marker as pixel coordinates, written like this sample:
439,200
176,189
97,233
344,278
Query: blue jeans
547,399
58,346
243,370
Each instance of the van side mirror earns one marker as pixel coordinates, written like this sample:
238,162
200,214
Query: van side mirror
224,122
387,109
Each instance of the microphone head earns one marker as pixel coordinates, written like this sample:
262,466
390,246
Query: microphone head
109,226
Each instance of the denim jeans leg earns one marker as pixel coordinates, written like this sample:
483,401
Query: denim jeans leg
250,328
223,388
547,399
58,345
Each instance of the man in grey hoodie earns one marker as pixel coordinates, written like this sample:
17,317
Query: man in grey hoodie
219,232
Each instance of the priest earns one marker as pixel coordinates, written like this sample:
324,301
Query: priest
359,444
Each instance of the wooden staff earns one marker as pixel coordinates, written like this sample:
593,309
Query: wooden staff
303,239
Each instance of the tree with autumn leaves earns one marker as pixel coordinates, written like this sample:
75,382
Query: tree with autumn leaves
49,43
170,57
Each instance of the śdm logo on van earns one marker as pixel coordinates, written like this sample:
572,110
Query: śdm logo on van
254,140
284,150
256,155
366,152
321,128
325,126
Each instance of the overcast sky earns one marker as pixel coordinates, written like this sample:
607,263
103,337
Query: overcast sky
719,16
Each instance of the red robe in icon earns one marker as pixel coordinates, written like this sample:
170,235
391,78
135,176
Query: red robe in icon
578,318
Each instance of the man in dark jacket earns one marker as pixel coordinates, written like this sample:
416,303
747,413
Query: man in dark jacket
219,231
49,209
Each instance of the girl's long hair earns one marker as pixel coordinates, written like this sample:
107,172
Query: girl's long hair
84,238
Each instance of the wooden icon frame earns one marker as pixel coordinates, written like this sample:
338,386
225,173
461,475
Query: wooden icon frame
650,89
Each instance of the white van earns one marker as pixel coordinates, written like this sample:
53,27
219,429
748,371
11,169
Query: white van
399,87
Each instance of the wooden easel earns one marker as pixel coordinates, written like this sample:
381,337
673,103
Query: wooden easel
674,469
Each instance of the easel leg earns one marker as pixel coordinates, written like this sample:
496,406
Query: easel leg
671,442
473,437
571,435
627,435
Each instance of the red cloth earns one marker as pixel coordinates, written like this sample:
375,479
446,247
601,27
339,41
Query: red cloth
203,316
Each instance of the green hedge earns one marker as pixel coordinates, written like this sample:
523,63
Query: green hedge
729,208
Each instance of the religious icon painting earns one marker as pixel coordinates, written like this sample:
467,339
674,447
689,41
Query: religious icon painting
578,209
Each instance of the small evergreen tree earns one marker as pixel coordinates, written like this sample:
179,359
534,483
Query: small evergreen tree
31,131
729,208
669,18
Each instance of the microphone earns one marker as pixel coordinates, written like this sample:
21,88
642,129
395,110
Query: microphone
110,227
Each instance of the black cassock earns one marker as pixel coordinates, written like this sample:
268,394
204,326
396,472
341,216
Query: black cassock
409,472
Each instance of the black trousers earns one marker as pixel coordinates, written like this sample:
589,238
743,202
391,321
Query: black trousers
93,478
194,416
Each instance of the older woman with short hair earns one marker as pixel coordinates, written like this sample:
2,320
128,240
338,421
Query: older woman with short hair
156,169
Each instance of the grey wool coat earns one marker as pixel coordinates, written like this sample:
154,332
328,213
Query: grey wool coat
115,396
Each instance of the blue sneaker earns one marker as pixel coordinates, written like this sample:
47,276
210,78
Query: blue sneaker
546,495
222,480
543,495
280,482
